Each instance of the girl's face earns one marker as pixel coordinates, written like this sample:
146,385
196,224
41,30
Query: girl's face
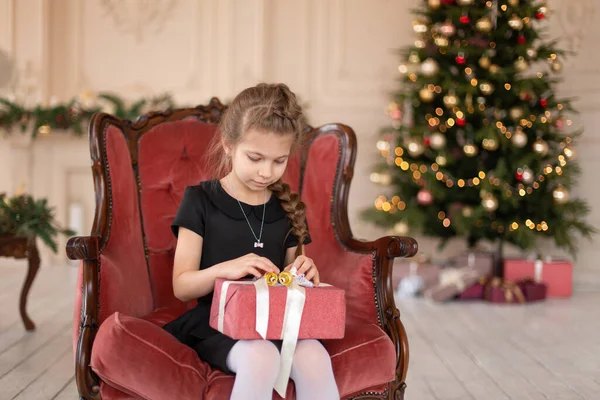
260,158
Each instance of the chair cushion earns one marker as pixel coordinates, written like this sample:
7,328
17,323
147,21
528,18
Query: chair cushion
362,345
152,364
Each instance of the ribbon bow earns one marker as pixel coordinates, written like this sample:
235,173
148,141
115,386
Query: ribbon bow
511,290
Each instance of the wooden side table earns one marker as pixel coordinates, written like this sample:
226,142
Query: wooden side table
20,248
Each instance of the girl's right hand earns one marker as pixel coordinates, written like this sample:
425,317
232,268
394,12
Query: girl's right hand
250,264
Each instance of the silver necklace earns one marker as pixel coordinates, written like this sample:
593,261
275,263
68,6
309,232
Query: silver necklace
258,243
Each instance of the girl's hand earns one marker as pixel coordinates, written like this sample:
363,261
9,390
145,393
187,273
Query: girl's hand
306,266
250,264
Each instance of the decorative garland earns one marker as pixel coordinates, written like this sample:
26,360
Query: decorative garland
75,114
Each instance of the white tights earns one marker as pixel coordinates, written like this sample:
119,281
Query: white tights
256,365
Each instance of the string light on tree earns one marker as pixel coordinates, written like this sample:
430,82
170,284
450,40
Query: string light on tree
489,202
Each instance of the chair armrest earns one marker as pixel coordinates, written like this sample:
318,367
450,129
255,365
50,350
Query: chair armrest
83,248
86,248
384,250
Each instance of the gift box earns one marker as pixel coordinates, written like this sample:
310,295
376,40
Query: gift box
452,282
474,292
556,275
322,317
483,261
502,291
423,275
533,291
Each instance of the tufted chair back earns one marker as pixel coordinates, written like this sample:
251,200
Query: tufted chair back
141,170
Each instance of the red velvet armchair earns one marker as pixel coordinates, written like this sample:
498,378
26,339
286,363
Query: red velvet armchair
125,296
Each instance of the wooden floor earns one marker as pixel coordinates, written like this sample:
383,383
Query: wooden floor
549,350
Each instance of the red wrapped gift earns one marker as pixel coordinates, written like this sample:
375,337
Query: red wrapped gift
556,275
502,291
532,290
474,292
323,315
453,281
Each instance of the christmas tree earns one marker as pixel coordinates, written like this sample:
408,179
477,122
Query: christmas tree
480,146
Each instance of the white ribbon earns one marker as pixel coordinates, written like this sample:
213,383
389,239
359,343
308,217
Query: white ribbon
538,269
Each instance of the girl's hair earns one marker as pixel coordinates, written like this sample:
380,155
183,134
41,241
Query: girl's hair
270,108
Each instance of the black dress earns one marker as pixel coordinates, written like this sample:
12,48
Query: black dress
212,213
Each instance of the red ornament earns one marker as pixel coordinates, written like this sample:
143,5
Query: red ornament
464,19
60,118
427,141
539,15
521,39
448,2
461,59
461,121
519,175
543,102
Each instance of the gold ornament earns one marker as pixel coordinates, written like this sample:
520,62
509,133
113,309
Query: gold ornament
470,150
464,2
401,228
286,278
494,68
519,139
489,202
448,29
437,141
415,148
484,24
441,41
441,160
527,175
560,194
426,95
486,88
430,67
419,26
450,100
434,4
570,153
490,144
414,58
540,146
521,65
516,112
44,130
272,278
556,66
513,3
485,62
515,22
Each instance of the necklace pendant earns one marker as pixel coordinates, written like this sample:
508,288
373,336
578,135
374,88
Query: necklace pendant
259,244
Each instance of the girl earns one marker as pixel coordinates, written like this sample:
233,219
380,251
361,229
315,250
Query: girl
243,225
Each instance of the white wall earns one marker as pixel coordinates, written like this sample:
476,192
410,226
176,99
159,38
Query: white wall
338,55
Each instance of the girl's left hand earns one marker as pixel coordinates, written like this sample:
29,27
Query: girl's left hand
306,266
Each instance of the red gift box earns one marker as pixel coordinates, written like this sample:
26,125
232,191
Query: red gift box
502,291
323,315
556,275
474,292
532,290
